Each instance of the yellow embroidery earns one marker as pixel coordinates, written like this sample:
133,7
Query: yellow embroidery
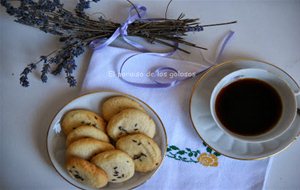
208,159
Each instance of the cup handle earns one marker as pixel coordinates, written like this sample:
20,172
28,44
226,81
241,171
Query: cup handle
297,95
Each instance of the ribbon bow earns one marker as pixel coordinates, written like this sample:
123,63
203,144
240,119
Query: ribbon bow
122,30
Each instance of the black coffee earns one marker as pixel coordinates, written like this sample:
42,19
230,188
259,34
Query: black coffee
248,107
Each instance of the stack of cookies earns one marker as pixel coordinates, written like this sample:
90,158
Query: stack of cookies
112,148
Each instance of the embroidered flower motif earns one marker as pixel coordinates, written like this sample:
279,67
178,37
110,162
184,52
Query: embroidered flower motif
208,159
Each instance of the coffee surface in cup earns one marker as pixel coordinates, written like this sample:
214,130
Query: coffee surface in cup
248,107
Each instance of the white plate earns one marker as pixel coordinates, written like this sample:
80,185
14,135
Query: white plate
56,139
216,138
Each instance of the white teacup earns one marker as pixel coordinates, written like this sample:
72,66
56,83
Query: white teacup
288,99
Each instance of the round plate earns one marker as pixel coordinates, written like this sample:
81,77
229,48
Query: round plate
215,137
56,139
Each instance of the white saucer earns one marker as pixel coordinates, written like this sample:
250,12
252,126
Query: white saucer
56,139
215,137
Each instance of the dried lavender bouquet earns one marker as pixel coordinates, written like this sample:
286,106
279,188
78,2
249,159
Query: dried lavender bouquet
77,31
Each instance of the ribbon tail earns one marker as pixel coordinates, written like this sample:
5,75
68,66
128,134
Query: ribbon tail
157,84
222,45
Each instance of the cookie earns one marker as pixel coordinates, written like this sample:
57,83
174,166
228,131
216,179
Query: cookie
118,166
86,148
86,172
86,131
114,105
142,149
130,121
79,117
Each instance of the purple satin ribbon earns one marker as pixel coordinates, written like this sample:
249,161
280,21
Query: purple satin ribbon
122,31
223,45
173,81
156,84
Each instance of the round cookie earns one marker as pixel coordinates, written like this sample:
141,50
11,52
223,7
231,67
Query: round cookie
86,172
118,166
86,148
114,105
86,131
130,121
143,150
79,117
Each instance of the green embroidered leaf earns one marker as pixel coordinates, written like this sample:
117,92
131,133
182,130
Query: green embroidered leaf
188,149
168,149
190,154
174,147
198,151
217,154
208,149
204,144
181,152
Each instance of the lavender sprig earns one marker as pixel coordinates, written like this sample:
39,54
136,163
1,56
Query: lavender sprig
24,75
77,31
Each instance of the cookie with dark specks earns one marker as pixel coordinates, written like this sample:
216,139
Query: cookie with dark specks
86,172
86,148
84,132
114,105
76,118
118,165
142,149
130,121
